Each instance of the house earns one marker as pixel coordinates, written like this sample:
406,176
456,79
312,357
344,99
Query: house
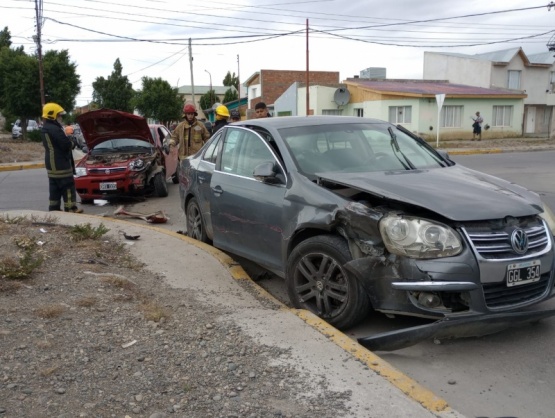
411,103
186,94
267,85
510,68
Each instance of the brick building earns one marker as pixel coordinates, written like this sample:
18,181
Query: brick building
268,85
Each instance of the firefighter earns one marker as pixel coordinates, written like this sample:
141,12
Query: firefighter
190,135
58,160
222,114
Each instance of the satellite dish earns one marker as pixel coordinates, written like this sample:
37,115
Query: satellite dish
341,96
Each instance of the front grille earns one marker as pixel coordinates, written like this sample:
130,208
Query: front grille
492,239
498,295
103,171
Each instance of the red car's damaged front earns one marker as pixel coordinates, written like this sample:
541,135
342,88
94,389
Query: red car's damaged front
122,158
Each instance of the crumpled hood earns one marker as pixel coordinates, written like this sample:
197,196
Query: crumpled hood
456,192
102,125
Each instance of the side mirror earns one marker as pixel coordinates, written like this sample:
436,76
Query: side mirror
267,172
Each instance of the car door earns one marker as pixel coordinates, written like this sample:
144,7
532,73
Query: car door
247,213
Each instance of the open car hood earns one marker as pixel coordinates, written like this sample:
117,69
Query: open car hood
103,125
457,193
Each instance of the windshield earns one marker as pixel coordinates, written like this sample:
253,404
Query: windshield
123,145
357,148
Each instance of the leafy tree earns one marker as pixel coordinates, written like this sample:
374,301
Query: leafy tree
5,38
231,81
158,100
208,99
114,92
61,81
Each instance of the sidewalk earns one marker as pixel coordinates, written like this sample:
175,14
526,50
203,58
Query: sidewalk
317,350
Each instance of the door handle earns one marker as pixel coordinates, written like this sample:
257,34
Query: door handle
217,190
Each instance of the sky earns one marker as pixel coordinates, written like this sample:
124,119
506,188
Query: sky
151,37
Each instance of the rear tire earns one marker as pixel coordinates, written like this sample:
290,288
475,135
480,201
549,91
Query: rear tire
318,281
195,223
160,185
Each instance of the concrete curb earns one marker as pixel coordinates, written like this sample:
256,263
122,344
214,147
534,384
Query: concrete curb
409,387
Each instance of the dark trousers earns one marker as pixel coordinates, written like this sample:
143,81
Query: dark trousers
59,189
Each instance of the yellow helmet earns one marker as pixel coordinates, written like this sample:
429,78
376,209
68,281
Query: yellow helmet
52,110
222,111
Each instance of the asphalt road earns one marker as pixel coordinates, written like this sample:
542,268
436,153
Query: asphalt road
510,374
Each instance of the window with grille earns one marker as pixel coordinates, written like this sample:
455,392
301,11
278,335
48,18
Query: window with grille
400,114
359,112
336,112
451,116
502,115
513,81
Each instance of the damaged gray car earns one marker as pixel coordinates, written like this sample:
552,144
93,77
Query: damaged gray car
358,214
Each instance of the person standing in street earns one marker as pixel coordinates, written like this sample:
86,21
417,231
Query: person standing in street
477,127
234,115
222,114
58,160
190,135
261,110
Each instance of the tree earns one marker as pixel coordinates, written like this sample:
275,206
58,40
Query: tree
61,81
115,92
208,99
5,38
231,81
158,100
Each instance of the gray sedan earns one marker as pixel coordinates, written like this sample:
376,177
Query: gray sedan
358,214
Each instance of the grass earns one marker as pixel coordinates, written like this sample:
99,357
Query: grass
153,311
86,302
119,282
87,231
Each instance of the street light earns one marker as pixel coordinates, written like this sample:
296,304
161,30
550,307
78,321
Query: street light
210,86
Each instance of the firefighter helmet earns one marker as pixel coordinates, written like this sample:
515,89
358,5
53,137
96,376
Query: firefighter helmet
221,110
189,108
52,110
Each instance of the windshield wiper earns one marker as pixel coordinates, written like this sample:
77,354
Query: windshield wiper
395,147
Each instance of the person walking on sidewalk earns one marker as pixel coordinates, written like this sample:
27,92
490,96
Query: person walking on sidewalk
477,127
190,135
58,160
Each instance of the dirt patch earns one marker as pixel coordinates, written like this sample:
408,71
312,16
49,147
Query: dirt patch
87,330
19,150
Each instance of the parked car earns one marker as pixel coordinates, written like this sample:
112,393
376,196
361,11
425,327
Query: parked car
32,125
122,158
358,213
161,135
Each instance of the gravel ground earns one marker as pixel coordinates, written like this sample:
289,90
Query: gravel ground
92,333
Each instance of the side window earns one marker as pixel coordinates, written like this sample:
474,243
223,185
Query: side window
211,152
243,151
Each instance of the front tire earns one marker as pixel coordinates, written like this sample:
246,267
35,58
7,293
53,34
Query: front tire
318,281
160,185
195,223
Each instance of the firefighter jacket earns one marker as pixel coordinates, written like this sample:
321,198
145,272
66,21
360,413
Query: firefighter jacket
58,157
189,138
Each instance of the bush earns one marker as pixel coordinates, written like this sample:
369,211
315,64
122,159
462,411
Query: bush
34,136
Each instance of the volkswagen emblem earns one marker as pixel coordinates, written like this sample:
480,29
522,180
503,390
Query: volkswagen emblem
107,171
519,241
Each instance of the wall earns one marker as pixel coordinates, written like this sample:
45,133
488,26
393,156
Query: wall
287,102
457,70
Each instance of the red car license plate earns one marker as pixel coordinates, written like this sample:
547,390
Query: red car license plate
109,186
523,273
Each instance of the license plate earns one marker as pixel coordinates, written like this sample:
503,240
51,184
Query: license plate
523,273
109,186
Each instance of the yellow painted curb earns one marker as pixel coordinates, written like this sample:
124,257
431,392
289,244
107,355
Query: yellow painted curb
405,384
22,166
476,151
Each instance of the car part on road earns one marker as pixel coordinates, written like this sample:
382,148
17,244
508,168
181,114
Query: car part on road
158,217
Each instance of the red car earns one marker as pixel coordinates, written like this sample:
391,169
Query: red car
123,159
160,133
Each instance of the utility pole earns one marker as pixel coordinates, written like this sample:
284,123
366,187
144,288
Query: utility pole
307,73
238,81
38,12
211,96
191,66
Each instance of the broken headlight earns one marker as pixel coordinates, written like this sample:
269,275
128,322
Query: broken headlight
80,171
418,238
549,218
137,165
